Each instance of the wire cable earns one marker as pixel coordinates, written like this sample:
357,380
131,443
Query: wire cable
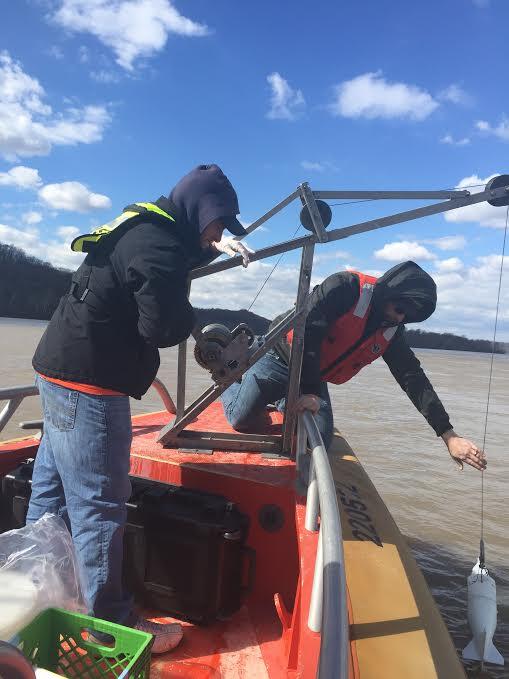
272,271
481,544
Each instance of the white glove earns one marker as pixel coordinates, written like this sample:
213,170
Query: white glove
233,247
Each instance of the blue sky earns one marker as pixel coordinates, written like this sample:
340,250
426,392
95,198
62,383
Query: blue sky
104,102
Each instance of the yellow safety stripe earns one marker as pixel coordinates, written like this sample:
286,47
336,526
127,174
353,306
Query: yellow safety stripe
154,208
105,229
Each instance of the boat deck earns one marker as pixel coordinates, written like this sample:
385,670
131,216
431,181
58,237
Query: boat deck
395,627
253,642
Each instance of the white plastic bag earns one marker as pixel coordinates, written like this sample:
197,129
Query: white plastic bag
38,570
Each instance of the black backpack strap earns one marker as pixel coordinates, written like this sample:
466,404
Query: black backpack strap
80,281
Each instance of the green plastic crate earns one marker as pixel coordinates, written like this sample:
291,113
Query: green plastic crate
55,641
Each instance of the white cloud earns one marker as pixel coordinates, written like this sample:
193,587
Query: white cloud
448,242
239,286
371,96
56,251
314,167
25,239
331,256
29,127
21,177
482,213
449,265
467,300
104,77
68,232
403,250
456,95
83,54
56,52
322,166
72,196
449,139
133,29
285,102
501,130
31,217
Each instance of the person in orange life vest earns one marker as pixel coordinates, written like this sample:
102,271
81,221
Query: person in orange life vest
354,319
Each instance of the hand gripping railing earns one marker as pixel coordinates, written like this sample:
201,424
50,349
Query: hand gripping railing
328,612
15,395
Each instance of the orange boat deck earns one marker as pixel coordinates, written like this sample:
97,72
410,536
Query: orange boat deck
255,641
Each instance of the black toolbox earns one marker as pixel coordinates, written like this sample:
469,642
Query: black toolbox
184,550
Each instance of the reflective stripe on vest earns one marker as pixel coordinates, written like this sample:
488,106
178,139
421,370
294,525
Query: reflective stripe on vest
88,241
342,353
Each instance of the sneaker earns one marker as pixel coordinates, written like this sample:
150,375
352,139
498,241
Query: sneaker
166,635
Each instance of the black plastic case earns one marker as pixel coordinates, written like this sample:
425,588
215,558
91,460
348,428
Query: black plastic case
184,550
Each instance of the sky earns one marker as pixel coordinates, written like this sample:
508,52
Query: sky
107,102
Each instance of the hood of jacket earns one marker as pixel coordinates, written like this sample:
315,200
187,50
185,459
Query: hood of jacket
204,195
410,284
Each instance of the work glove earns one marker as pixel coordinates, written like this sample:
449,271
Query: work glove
233,247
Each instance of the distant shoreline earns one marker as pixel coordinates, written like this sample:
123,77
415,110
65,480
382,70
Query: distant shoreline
259,325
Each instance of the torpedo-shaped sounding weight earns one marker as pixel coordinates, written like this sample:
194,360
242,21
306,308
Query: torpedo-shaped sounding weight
482,617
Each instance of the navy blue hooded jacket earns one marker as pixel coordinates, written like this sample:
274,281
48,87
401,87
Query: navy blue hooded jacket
138,291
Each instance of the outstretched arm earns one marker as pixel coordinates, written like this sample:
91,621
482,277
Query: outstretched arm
406,369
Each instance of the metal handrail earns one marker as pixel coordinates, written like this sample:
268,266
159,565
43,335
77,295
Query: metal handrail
15,395
328,611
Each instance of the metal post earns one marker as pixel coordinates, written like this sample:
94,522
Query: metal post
312,502
316,603
390,195
297,348
181,379
309,201
181,370
300,446
9,410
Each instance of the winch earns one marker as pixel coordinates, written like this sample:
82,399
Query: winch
224,352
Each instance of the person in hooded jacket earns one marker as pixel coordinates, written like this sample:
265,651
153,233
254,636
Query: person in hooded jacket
128,299
353,319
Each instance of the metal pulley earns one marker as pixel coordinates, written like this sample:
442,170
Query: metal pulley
222,351
496,183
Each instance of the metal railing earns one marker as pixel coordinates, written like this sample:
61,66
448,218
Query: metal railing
328,611
15,395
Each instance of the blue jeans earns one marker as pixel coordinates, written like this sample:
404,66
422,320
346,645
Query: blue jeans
81,473
266,382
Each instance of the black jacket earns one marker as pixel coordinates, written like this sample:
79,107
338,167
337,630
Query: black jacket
337,294
137,303
137,279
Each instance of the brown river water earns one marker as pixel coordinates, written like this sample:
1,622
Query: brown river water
435,506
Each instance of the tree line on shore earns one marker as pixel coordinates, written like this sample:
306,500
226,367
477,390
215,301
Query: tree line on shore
30,288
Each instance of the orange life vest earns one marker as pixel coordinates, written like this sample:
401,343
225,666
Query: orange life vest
341,355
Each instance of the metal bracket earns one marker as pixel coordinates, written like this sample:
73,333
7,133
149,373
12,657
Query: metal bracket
309,201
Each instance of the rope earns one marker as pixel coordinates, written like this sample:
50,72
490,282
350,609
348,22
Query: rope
481,543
